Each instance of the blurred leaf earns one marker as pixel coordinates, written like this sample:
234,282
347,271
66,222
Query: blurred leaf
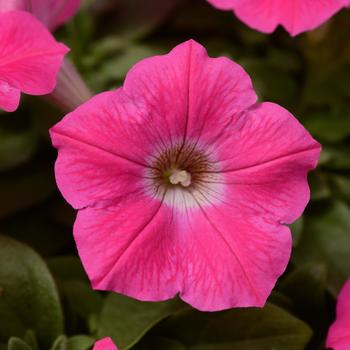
319,186
67,268
243,329
31,340
18,344
80,301
126,320
16,148
310,299
297,229
115,69
271,83
328,128
80,342
338,156
159,343
133,24
326,240
341,186
29,298
60,343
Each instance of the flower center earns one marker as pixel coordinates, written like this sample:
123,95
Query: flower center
184,176
181,177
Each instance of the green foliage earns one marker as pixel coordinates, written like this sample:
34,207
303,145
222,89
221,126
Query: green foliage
127,320
244,329
308,74
29,298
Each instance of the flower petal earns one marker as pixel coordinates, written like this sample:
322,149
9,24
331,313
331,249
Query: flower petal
9,97
30,56
130,248
52,13
232,260
105,344
99,159
267,153
185,88
296,16
339,334
14,5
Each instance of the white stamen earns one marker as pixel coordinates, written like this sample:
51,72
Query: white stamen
180,177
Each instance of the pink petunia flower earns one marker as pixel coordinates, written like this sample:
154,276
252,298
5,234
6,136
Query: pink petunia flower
296,16
52,13
184,183
105,344
30,58
339,334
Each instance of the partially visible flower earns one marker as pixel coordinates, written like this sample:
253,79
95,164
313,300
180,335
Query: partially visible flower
30,58
296,16
105,344
339,334
184,184
52,13
70,90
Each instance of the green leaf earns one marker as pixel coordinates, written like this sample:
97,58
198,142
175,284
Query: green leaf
326,127
159,343
31,340
60,343
297,229
243,329
28,295
67,267
319,186
80,301
18,344
80,342
126,320
326,240
310,300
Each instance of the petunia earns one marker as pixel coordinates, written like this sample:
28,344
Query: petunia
296,16
30,58
105,344
70,90
339,334
52,13
184,184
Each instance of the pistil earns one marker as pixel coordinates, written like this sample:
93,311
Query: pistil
181,177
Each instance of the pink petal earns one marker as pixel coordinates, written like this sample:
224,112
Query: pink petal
52,13
100,161
267,153
30,56
105,344
186,87
296,16
339,334
131,248
9,97
230,259
13,5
